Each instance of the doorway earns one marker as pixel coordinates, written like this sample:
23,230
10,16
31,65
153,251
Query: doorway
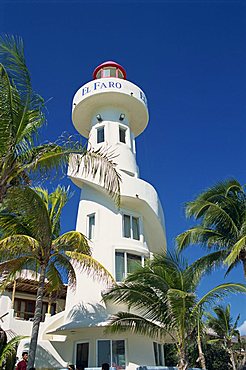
82,355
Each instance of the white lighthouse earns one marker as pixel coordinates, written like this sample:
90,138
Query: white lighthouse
110,112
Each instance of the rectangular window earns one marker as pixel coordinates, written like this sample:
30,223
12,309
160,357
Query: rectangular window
133,262
118,354
91,226
126,263
131,227
24,308
127,226
122,134
100,135
119,266
103,352
158,353
112,352
135,228
82,355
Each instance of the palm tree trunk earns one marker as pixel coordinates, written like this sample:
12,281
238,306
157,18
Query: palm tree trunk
232,359
183,363
201,358
37,318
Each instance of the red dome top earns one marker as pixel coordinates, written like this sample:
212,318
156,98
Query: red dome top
109,64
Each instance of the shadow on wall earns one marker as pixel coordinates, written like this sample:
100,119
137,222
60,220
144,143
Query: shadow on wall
87,315
44,358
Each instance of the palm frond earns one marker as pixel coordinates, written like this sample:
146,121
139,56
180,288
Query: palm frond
124,321
220,291
205,265
29,209
16,246
220,212
202,236
57,200
91,266
72,241
235,251
10,348
11,225
98,164
54,276
61,264
9,269
29,104
6,112
12,56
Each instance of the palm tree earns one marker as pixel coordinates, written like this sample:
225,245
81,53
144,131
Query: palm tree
21,117
30,221
8,349
221,215
163,297
224,329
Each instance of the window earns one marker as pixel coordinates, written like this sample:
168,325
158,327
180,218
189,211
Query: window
24,308
82,355
122,134
158,353
109,72
120,74
126,263
91,226
131,227
99,74
112,352
100,135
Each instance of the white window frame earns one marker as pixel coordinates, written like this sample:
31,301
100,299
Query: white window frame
140,223
88,226
111,351
125,252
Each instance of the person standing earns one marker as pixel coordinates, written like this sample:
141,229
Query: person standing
105,366
22,365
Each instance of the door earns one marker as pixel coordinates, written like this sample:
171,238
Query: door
82,355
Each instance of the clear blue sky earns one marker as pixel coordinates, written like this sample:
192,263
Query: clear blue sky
190,59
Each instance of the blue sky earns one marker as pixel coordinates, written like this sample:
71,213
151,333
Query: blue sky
190,59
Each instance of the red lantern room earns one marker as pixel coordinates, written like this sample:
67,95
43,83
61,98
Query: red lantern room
109,69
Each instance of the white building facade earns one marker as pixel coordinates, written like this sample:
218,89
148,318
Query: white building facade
110,112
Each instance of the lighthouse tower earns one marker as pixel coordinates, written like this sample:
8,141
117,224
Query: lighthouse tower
111,112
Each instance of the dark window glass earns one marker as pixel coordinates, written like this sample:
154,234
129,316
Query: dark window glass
99,74
100,135
103,352
135,228
156,353
122,134
133,262
91,226
82,355
160,355
119,266
120,74
127,226
118,354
